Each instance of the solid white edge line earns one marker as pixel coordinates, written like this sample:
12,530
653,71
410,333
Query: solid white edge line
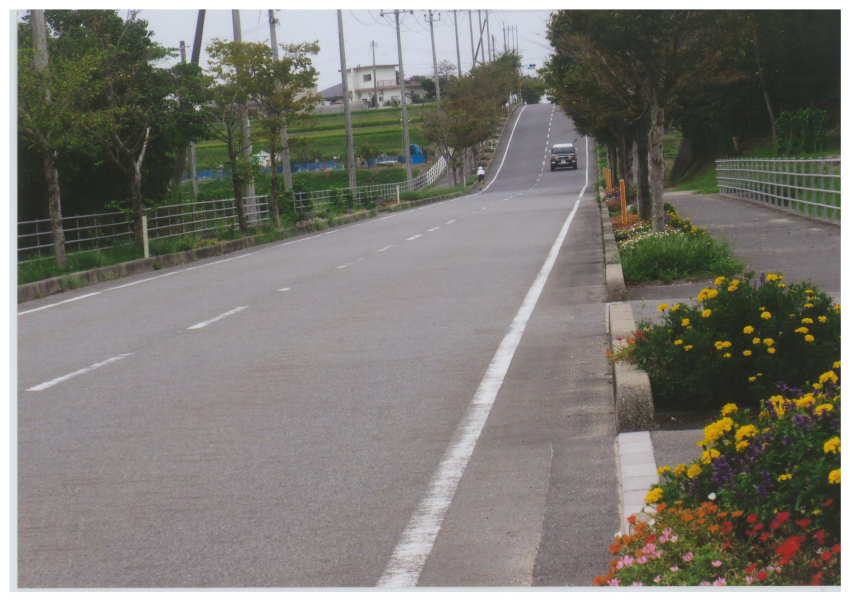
213,320
26,312
505,155
52,382
409,556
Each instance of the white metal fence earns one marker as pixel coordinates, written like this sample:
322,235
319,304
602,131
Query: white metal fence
810,187
90,232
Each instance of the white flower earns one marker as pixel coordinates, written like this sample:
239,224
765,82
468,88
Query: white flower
712,496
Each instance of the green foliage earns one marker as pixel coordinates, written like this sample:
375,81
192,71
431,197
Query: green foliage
803,131
736,343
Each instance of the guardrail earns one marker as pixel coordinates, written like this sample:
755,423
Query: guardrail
810,187
91,232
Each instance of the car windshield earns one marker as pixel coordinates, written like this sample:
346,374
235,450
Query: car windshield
562,150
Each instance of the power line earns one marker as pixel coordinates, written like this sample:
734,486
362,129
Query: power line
359,21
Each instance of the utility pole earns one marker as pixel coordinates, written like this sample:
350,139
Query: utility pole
457,43
480,31
489,47
471,40
247,149
516,35
346,103
504,40
434,55
374,74
284,137
495,51
406,140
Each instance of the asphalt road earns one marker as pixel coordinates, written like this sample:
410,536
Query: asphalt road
275,417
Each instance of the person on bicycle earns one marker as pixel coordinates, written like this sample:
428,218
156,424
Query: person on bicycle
480,176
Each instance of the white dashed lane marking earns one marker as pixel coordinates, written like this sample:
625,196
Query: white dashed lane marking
410,239
219,317
52,382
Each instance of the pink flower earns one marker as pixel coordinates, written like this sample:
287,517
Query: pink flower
667,532
705,583
642,560
674,538
674,568
614,582
689,557
663,539
749,579
717,563
657,579
719,581
771,568
628,561
778,569
637,583
657,553
649,549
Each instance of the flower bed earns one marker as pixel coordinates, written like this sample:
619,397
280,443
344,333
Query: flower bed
761,507
736,343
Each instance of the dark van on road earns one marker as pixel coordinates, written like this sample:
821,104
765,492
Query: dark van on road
563,155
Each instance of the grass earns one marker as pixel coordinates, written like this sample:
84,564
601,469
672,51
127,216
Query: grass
672,257
431,193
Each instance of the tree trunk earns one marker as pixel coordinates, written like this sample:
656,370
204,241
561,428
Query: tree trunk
612,163
237,189
644,198
656,164
622,159
179,168
51,175
136,190
762,81
273,194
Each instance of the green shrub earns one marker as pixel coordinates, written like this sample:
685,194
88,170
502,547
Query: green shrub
670,255
803,131
737,342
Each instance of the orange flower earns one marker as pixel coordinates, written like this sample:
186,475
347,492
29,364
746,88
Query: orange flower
737,513
687,518
614,548
700,513
700,521
632,519
714,528
599,580
723,514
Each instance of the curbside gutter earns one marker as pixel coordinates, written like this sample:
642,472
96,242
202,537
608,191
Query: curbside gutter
72,281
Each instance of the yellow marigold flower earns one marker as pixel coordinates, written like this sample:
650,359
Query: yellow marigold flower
767,342
791,315
654,496
807,321
781,285
718,345
761,307
732,288
748,329
785,477
740,446
836,365
778,403
677,307
822,319
688,348
823,408
696,470
728,409
747,352
714,431
802,330
833,445
771,277
736,281
817,386
709,455
756,340
771,350
711,294
727,355
719,280
706,312
663,307
663,470
752,378
835,476
679,470
805,401
809,338
677,343
765,315
808,305
828,376
686,322
745,432
810,291
703,443
758,374
763,415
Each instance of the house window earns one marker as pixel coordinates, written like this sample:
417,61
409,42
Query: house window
367,77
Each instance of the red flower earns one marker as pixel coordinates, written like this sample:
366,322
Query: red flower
764,537
727,543
775,525
750,569
816,579
752,518
827,503
761,575
820,535
803,523
825,555
650,538
836,548
758,526
783,516
749,532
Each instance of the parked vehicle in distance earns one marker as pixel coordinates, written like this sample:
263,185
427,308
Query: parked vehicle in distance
563,155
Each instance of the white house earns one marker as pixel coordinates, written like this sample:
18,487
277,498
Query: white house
362,82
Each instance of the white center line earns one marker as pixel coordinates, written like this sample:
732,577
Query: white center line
434,228
450,222
52,382
284,289
26,312
414,237
227,314
385,248
412,551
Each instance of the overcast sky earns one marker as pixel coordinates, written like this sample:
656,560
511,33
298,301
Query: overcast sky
360,28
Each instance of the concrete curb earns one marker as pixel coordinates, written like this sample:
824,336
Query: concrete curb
615,282
633,403
638,473
64,283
